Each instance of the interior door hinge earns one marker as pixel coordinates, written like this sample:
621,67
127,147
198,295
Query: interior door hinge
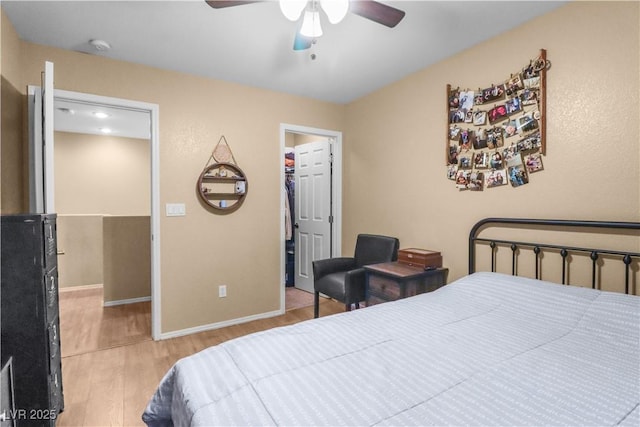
330,219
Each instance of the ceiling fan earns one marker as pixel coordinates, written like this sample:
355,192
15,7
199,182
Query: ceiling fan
335,11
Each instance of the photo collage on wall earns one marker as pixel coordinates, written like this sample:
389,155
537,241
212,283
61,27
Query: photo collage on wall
496,133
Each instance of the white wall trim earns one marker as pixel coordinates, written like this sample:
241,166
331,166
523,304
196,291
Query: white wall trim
218,325
48,97
336,184
36,156
126,301
80,288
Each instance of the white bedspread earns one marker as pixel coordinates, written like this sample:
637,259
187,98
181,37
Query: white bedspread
488,349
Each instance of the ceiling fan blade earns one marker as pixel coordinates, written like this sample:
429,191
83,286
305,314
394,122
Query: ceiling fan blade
302,42
377,12
219,4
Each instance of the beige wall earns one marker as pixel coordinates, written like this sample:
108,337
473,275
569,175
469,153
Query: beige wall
102,174
13,170
127,258
203,250
293,139
113,251
395,138
300,139
80,248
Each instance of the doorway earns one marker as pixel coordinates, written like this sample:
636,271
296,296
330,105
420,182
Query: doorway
312,220
45,161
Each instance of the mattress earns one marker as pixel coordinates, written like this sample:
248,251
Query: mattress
488,349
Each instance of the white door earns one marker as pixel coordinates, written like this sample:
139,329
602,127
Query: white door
41,184
312,223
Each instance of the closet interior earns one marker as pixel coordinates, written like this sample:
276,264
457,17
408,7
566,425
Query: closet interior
289,170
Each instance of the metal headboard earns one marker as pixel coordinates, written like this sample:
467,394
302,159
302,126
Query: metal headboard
625,256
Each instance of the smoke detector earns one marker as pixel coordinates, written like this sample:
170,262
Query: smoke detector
100,45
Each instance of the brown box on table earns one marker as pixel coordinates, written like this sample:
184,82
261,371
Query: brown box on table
421,258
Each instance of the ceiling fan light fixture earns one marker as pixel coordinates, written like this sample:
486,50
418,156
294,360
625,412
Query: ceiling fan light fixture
292,9
311,24
336,10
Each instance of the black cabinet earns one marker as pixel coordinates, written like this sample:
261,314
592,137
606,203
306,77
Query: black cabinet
30,325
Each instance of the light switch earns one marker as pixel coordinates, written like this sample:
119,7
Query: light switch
176,209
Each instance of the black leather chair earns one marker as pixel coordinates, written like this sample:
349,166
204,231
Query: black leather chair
343,278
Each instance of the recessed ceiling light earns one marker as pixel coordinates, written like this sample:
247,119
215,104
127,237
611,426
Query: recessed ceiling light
66,110
100,114
105,130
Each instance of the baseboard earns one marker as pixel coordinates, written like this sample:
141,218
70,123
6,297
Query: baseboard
80,288
218,325
126,301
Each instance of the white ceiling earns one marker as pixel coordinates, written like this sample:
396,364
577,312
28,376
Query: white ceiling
80,117
252,44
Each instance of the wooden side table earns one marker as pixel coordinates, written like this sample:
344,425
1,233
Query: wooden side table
390,281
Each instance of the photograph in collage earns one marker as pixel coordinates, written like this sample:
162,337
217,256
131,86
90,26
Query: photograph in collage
533,162
496,178
518,176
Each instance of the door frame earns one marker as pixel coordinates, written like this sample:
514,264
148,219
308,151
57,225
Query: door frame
336,185
154,139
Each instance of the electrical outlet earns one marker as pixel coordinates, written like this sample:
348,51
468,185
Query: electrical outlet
222,291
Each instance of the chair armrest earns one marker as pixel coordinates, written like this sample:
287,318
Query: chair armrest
355,276
354,285
322,267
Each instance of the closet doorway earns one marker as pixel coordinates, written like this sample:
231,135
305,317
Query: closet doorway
311,202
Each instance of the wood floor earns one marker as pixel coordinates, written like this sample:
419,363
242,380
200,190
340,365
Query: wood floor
111,366
297,298
85,325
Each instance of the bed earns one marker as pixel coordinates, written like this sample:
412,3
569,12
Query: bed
488,349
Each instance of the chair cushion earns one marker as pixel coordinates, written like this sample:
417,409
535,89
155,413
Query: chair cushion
332,285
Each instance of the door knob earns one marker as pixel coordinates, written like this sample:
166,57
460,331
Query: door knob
296,225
